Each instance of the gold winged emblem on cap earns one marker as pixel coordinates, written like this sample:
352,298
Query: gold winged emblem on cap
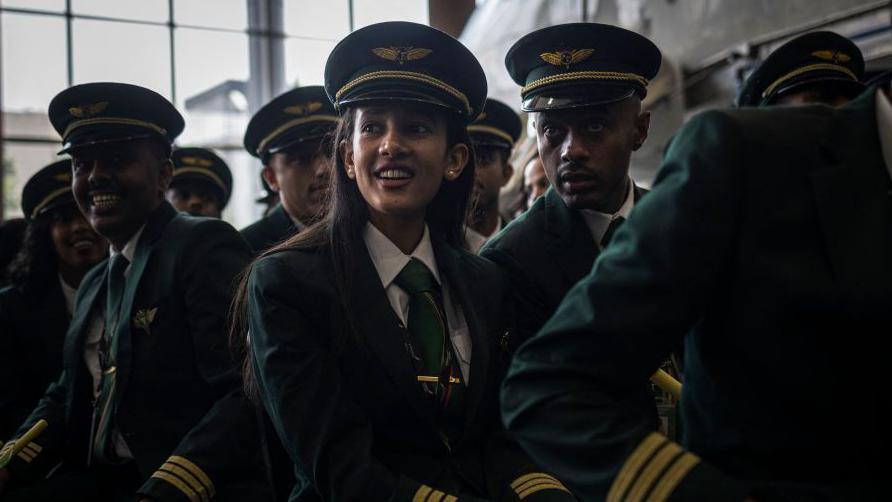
566,58
834,56
197,161
401,55
88,110
303,108
63,177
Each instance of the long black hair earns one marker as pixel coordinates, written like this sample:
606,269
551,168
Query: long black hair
340,230
36,264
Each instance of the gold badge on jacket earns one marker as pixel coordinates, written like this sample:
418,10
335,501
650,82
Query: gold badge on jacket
144,318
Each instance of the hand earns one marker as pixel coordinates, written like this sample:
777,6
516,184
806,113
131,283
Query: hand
4,476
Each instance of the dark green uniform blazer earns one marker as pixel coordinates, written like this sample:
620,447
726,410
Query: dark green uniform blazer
352,415
543,252
32,331
261,235
270,230
766,243
179,405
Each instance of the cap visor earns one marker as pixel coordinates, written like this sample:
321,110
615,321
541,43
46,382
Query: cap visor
847,86
85,142
576,97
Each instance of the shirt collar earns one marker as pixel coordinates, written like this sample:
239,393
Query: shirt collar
476,240
884,126
130,248
389,260
598,221
69,293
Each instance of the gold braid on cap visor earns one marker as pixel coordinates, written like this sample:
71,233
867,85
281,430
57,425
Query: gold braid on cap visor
112,120
292,123
491,130
407,75
584,75
203,171
805,69
55,194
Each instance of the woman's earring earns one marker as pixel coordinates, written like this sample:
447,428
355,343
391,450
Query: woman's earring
450,175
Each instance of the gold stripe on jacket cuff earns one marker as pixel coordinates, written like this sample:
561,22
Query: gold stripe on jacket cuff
188,478
422,493
195,471
653,470
178,484
633,465
673,477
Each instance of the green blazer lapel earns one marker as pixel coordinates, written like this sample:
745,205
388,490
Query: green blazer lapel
852,201
87,294
449,261
571,244
380,327
152,231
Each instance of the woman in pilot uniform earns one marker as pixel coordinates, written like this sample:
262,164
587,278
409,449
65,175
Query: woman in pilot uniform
35,308
375,338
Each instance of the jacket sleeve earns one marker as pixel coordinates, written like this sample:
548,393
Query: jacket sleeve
511,474
45,450
323,429
12,411
222,448
570,393
527,298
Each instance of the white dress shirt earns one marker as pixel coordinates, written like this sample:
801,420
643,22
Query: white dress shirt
884,126
389,261
598,222
476,240
69,293
94,335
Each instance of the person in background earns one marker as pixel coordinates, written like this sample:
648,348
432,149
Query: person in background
494,133
820,67
535,182
374,335
36,307
201,184
291,135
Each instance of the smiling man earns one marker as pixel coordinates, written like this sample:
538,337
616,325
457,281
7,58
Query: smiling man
587,127
149,402
291,135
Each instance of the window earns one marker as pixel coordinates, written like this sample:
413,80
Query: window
97,59
136,10
198,53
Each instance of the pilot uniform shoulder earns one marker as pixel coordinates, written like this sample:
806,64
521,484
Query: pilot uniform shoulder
521,237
